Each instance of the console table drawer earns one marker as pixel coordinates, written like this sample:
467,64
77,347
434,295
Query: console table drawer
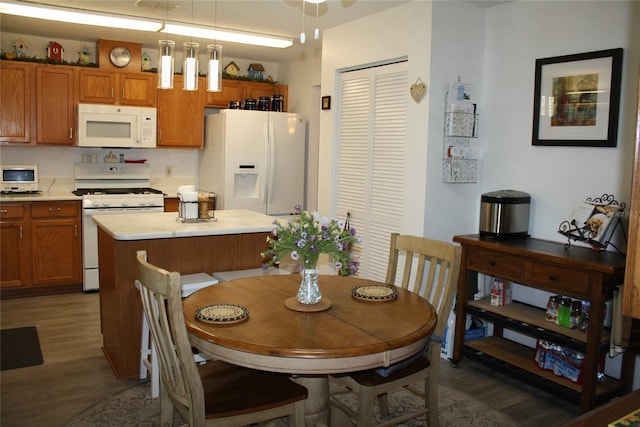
558,279
495,264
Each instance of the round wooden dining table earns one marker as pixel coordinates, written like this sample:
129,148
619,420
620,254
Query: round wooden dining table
351,334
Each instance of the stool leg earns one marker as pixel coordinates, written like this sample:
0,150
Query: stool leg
145,349
155,373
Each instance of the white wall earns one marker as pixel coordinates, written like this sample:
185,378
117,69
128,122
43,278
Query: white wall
558,178
403,31
457,50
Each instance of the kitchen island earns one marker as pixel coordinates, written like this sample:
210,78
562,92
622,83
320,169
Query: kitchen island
233,242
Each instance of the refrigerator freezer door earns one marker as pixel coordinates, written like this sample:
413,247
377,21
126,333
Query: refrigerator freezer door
285,163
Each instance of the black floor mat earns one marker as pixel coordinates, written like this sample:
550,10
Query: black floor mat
19,348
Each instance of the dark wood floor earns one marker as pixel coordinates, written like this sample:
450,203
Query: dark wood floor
76,375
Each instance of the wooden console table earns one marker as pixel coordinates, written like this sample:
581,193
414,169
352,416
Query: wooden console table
573,271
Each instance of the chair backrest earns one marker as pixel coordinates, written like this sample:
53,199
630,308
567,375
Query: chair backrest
431,269
160,292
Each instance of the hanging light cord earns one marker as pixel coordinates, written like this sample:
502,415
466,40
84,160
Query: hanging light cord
302,34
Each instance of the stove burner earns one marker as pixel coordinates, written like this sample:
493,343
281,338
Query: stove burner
116,191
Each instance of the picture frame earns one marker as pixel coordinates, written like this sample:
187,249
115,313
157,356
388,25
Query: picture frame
326,102
576,99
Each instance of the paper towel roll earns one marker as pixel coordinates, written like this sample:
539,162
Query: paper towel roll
189,196
186,189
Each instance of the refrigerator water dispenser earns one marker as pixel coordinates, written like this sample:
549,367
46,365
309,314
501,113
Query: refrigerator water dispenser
245,180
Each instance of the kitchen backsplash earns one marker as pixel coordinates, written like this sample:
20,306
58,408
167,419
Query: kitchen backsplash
56,164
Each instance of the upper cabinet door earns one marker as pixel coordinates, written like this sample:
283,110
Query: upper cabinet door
55,105
107,87
98,87
17,99
181,116
138,89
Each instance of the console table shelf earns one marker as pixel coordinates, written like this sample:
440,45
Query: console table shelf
573,271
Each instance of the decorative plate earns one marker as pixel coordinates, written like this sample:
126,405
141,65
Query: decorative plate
375,292
222,313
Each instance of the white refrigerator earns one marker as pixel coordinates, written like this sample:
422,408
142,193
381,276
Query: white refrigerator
254,160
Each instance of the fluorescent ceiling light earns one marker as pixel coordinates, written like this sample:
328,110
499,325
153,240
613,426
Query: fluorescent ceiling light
77,16
223,34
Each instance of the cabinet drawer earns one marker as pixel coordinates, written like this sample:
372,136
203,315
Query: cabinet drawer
558,279
12,211
55,209
495,264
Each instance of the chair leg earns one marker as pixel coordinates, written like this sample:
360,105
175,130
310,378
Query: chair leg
431,399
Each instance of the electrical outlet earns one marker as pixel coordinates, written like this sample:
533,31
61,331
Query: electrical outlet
169,171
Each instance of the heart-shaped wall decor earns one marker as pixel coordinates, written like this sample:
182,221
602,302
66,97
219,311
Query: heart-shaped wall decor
418,89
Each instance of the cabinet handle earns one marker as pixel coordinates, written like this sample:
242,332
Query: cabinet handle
492,262
70,133
4,211
20,232
113,92
553,277
75,230
123,95
52,210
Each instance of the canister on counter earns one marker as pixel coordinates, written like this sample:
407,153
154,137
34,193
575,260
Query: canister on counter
263,103
203,206
234,105
276,102
250,104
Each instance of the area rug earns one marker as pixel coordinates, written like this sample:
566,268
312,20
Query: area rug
19,348
135,408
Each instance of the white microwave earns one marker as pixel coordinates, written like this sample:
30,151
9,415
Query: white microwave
116,126
19,179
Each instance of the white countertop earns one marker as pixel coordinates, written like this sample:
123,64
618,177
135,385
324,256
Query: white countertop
165,225
39,197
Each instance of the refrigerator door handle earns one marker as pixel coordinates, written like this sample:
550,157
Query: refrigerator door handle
265,182
272,160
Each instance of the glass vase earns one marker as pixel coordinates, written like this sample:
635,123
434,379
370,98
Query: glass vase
309,291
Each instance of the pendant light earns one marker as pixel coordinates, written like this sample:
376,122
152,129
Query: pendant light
165,60
214,59
190,66
316,31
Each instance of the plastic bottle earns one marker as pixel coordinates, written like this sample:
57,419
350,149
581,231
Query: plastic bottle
564,312
584,321
576,314
551,314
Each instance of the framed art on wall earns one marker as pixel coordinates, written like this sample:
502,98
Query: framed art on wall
577,99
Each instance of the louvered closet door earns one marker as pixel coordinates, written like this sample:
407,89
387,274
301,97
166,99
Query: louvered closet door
371,158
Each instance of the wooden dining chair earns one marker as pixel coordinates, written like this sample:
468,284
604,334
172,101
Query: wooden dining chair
216,393
431,269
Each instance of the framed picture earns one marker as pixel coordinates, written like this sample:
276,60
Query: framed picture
326,102
577,99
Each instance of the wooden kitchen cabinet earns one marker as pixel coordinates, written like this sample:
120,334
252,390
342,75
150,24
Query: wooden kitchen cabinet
14,245
17,98
576,272
106,87
239,90
55,105
231,91
181,116
41,248
56,235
